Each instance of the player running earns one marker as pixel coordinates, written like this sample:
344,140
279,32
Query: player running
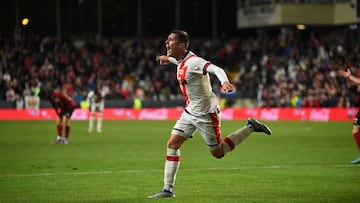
356,123
201,111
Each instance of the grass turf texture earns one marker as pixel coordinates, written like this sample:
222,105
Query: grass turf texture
300,162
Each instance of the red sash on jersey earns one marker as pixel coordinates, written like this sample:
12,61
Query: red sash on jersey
205,68
181,78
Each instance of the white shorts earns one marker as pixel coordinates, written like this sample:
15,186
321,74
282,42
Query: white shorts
208,126
99,107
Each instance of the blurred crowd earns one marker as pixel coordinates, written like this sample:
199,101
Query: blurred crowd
286,68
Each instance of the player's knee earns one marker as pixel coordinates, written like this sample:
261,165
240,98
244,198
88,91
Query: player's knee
175,142
217,154
172,145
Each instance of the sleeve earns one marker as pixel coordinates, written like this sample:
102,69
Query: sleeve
219,72
89,96
201,66
172,60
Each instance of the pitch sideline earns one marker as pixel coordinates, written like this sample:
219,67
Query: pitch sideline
161,170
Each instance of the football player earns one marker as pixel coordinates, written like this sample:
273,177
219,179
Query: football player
96,99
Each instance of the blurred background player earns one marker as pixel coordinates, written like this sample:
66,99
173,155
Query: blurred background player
355,130
64,106
96,101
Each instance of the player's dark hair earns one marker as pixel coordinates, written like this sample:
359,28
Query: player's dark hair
183,37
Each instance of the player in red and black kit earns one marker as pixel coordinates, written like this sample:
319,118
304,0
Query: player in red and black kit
356,124
64,107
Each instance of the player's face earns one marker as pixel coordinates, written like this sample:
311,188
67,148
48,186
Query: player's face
173,47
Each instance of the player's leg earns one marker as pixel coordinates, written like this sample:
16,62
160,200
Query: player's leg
66,120
59,130
172,161
92,117
209,128
100,118
356,134
180,133
171,168
234,139
99,121
59,126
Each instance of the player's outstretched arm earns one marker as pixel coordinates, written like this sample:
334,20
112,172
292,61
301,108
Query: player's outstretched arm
166,59
347,74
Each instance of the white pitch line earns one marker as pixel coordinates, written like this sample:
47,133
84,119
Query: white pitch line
195,169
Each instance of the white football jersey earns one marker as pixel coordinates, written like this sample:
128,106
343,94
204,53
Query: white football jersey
93,99
193,77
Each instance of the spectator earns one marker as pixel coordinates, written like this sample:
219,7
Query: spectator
272,60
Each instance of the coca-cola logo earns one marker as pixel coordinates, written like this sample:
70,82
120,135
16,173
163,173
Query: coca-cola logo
319,115
124,113
269,114
252,113
158,114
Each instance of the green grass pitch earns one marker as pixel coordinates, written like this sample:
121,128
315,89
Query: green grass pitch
301,162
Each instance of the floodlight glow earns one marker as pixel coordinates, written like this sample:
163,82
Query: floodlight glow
301,27
25,21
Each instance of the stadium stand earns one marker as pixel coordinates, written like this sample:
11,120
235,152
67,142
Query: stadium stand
283,68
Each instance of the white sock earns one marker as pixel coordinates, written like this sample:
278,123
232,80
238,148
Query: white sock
235,138
172,164
91,122
99,121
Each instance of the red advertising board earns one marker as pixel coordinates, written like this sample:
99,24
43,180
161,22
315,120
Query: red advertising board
269,114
